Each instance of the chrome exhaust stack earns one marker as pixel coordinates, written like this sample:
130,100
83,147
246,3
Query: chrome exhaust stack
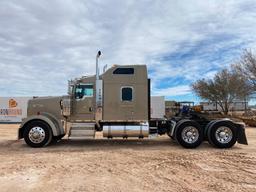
99,91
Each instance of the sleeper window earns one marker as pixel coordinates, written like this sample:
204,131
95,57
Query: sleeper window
124,71
126,94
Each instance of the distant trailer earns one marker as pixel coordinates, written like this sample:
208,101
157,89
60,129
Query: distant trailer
13,109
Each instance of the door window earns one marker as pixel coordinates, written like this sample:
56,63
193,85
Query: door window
84,90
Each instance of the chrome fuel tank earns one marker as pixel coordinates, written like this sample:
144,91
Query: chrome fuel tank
141,130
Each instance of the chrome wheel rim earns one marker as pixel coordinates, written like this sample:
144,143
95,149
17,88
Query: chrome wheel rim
223,135
190,134
36,134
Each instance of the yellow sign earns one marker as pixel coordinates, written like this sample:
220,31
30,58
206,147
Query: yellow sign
12,103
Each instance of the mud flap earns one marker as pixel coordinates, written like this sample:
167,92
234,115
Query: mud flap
20,133
241,137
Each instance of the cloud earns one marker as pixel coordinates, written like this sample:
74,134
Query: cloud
173,91
45,43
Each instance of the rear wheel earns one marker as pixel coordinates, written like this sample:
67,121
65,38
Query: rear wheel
37,134
222,134
189,134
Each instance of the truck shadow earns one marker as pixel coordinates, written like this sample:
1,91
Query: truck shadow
117,144
66,145
110,144
122,143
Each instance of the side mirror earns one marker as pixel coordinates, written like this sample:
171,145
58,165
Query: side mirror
70,87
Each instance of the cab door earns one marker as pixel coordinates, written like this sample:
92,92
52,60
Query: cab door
83,106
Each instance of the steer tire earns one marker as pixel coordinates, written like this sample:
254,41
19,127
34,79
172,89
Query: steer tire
212,135
44,127
182,141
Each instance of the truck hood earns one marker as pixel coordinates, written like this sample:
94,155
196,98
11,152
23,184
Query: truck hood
45,105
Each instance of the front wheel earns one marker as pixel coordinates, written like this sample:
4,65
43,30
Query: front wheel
37,134
189,134
222,134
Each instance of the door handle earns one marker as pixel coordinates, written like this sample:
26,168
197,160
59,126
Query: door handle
90,109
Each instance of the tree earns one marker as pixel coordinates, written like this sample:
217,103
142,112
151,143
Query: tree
224,88
246,67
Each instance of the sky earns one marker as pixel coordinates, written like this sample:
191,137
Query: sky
44,43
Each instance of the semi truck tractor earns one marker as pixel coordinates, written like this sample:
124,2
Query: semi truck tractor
117,103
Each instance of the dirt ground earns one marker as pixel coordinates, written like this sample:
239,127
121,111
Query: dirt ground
125,165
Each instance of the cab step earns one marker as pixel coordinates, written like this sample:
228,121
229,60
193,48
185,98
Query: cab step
82,131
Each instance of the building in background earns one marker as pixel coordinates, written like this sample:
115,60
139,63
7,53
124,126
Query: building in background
13,109
234,106
173,107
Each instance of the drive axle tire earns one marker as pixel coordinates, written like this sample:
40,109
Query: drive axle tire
37,134
189,134
222,134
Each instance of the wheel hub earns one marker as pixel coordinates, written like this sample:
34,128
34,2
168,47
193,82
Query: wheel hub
190,134
224,134
36,135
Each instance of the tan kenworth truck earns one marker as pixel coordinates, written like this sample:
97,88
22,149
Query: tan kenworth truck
117,102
